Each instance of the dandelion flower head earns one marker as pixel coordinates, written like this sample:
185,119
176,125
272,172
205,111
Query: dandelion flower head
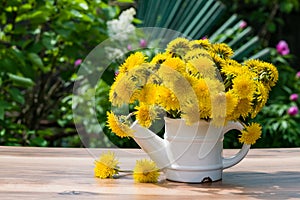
250,134
145,171
116,126
106,166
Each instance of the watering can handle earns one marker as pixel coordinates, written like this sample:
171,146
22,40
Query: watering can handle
231,161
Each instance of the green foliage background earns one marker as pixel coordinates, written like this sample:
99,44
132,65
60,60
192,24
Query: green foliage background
39,43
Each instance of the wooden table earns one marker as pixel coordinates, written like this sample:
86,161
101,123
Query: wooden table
67,173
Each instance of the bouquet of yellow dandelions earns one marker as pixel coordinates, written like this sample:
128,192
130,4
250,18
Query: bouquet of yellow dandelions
192,80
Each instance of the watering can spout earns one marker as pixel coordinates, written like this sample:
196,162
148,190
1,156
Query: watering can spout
152,144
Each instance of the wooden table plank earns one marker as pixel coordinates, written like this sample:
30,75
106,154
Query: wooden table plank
67,173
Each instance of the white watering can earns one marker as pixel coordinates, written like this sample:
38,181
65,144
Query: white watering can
189,153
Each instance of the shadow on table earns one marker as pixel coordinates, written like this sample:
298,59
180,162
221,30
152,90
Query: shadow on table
280,185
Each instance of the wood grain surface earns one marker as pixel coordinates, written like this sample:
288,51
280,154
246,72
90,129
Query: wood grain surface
67,173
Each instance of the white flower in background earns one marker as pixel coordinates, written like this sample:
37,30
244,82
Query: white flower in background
119,29
114,53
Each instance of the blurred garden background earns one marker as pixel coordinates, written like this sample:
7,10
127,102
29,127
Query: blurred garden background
43,43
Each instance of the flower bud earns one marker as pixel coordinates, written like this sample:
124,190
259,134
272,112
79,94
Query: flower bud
294,97
129,47
77,62
143,43
243,25
292,111
298,75
282,48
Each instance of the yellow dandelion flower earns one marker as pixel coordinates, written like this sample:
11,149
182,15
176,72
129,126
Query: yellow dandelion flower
106,165
175,63
174,80
217,59
205,66
145,171
135,96
140,74
132,61
121,91
168,75
200,96
272,73
200,44
218,106
146,94
190,113
116,126
244,86
145,115
250,134
155,79
182,89
205,89
222,50
200,100
191,79
232,68
124,89
243,108
192,71
215,85
167,99
201,88
261,96
160,58
252,64
179,46
262,93
267,72
271,70
196,53
117,79
205,108
231,102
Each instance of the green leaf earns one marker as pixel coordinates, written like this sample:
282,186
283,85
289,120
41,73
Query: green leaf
38,141
17,95
19,56
275,126
4,105
48,40
36,17
2,112
271,27
36,60
110,12
7,28
286,7
281,59
20,81
11,9
284,124
83,5
25,7
137,21
125,1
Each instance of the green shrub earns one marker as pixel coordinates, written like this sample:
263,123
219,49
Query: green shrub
280,118
41,44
